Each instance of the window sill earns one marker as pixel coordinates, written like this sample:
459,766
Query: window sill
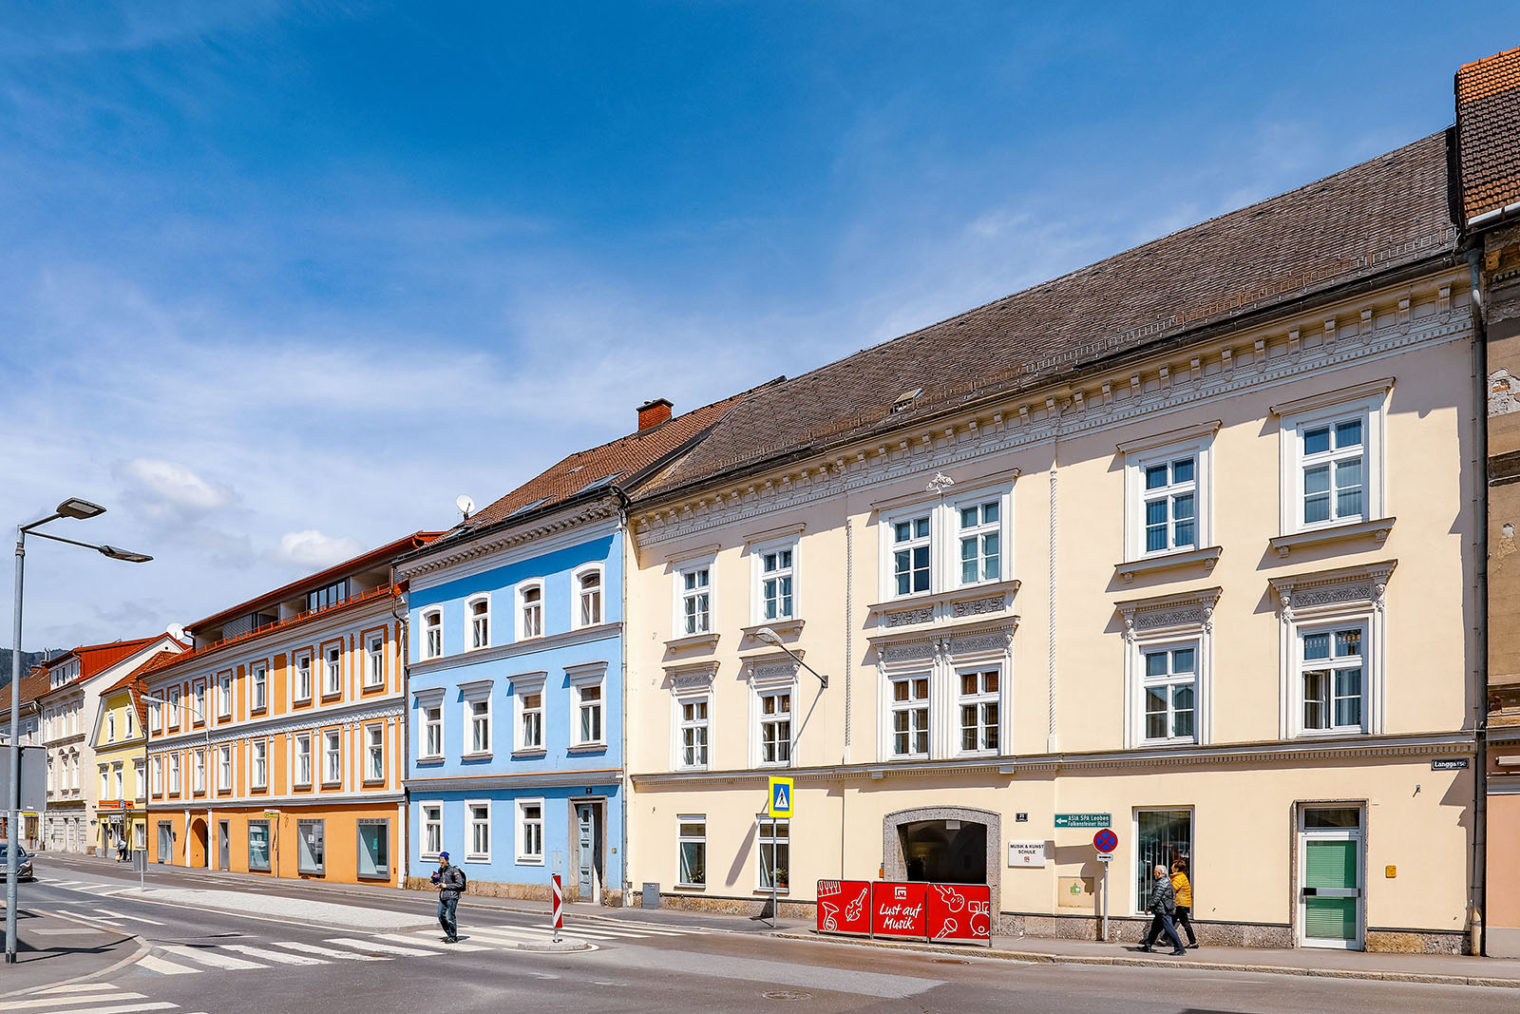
529,862
478,755
368,687
301,786
531,753
434,759
691,887
1375,530
377,875
705,640
332,785
1330,733
586,748
956,603
299,701
765,892
1206,558
369,782
331,695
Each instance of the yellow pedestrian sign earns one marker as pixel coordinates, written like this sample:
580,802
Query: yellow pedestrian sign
781,797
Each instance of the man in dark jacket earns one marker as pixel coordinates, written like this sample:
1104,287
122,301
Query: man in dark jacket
450,883
1163,903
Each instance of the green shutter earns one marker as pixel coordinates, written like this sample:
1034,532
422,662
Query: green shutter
1330,864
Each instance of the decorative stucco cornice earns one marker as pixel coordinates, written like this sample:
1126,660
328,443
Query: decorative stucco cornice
419,787
452,553
365,711
1246,360
516,649
1193,609
1366,583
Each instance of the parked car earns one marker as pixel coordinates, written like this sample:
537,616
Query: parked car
23,871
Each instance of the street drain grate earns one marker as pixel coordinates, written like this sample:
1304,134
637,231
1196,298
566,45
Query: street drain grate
787,994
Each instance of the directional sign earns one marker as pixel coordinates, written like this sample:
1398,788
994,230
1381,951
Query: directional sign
1105,841
1084,819
781,797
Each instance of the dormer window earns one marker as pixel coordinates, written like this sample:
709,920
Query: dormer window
905,400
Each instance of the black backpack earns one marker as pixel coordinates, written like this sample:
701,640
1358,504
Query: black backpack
464,881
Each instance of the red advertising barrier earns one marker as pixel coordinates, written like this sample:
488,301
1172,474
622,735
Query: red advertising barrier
844,906
916,910
959,912
897,910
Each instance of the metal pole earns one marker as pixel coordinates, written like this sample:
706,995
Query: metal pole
1105,901
13,800
146,786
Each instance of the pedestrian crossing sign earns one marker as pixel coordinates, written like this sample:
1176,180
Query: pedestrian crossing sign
781,797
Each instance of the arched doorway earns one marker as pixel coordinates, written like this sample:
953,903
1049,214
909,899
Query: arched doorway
198,842
944,844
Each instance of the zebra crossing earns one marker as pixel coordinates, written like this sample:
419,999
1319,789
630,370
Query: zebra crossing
88,887
87,998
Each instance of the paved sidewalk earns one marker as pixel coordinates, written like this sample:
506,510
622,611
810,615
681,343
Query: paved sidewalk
53,949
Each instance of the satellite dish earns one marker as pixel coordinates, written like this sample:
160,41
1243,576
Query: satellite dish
176,631
465,504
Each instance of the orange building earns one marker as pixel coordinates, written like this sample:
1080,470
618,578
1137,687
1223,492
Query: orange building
276,745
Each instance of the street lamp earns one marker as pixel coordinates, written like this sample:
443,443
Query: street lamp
79,510
769,636
142,874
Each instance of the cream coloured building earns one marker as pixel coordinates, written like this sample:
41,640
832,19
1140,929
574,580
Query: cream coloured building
1184,538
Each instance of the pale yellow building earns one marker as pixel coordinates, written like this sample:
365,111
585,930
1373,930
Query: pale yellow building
1181,543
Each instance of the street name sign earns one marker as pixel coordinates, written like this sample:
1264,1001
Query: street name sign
1092,820
781,798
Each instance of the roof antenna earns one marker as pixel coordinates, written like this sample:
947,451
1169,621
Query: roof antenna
466,506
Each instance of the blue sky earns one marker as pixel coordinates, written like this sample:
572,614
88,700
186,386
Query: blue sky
279,280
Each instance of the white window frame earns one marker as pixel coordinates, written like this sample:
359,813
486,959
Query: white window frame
943,540
111,726
979,699
1350,596
1195,442
919,535
525,685
105,781
522,826
139,778
301,669
774,842
909,706
683,838
224,695
258,775
374,752
302,767
174,708
763,719
581,679
979,532
692,726
155,719
332,670
198,697
1367,402
224,768
578,596
258,687
425,811
477,625
530,619
471,694
425,701
1169,680
702,618
332,757
1169,622
760,577
174,779
156,776
471,822
374,660
1334,662
431,645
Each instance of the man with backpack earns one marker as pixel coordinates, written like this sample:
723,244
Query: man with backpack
451,882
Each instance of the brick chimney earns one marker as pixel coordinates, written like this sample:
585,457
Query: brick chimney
652,413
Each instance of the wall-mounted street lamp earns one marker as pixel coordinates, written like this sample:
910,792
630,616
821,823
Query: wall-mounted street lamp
769,636
79,510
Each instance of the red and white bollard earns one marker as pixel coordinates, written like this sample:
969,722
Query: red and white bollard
559,907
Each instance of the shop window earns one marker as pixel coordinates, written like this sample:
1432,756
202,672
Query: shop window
311,846
374,848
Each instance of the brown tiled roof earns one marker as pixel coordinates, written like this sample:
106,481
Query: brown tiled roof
33,685
95,659
1367,220
1488,132
623,463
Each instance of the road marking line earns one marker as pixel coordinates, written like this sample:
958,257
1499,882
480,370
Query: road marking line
508,934
129,1008
134,918
371,945
78,987
423,941
153,963
642,930
275,956
329,952
53,1001
209,957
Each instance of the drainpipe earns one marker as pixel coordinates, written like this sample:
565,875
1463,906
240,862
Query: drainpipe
1480,718
403,644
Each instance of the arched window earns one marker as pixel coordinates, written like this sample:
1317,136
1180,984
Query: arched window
479,612
432,633
532,610
588,597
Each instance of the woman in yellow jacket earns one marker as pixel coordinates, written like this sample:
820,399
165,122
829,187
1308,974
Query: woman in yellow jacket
1184,889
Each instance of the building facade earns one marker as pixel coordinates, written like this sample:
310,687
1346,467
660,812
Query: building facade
33,685
1178,543
515,765
120,743
276,744
67,713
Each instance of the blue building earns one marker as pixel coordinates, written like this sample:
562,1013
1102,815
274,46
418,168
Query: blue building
515,681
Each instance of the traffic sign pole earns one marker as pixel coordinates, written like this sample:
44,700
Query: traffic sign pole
1105,841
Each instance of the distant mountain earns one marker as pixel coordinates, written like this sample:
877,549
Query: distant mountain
28,659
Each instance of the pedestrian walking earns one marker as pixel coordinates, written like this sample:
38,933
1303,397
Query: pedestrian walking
1162,904
121,848
450,881
1183,888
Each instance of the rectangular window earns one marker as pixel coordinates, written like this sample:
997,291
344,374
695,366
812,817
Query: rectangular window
332,757
258,845
374,661
331,595
117,783
303,759
696,601
334,672
105,782
374,753
1170,691
200,703
110,727
432,634
258,778
303,677
311,846
776,584
979,696
224,695
910,716
776,727
480,725
530,831
1170,500
590,598
1331,669
224,768
374,848
981,539
692,845
694,734
432,731
480,623
911,556
174,774
478,830
138,780
158,776
155,720
588,705
775,853
533,611
1161,837
531,726
1333,459
174,708
260,688
432,830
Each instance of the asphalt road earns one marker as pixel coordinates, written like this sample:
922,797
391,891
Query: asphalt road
226,964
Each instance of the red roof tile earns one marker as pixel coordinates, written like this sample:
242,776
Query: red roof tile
1488,132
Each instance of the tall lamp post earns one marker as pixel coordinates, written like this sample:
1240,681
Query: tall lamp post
79,510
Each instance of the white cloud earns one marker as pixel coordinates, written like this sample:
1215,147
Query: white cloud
168,486
312,548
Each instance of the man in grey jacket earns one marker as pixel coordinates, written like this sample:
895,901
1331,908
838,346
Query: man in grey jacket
450,882
1162,904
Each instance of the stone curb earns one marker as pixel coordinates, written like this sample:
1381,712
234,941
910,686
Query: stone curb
1047,958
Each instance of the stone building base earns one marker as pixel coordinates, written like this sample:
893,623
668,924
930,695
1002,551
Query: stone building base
520,892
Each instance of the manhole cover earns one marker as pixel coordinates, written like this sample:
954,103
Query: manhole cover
787,994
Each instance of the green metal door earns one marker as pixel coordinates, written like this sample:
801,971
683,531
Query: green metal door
1332,887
